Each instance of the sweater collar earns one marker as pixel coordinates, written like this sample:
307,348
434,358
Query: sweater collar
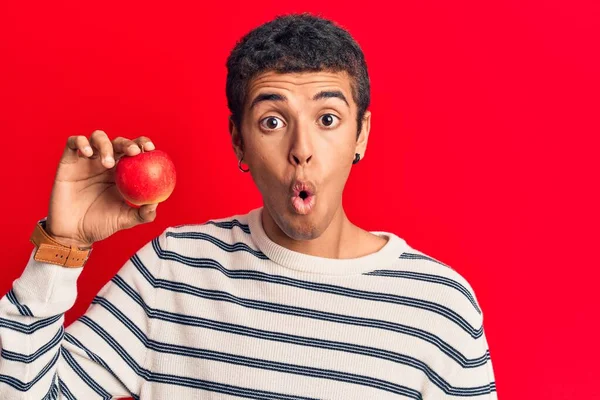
383,258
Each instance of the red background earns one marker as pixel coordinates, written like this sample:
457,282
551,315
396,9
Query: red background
483,149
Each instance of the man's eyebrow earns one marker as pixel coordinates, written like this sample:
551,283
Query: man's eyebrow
267,97
326,94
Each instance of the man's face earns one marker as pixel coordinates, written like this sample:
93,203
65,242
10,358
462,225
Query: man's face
300,128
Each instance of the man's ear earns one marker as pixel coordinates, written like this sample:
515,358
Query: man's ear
361,142
237,142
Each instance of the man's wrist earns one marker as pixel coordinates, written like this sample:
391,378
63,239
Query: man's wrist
63,240
50,250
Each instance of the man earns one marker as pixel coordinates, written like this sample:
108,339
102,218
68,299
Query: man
289,301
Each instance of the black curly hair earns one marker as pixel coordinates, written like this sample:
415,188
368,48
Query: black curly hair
296,43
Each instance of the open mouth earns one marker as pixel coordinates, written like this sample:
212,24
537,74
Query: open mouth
303,197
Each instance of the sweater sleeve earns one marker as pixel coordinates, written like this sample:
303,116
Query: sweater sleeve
480,383
473,378
100,355
493,395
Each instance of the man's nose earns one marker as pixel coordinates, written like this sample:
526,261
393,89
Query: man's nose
301,150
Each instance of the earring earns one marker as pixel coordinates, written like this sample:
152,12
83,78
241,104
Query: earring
240,165
356,158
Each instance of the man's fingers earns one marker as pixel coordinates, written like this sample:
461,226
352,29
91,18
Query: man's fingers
100,141
146,213
145,142
141,215
123,146
99,145
76,145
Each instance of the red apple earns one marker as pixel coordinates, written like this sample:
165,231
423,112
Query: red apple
146,178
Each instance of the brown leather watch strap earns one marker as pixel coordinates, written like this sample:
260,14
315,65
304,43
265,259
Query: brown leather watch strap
51,251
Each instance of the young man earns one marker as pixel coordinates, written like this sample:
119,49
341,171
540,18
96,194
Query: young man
289,301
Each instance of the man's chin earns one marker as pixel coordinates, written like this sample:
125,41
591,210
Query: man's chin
296,226
304,232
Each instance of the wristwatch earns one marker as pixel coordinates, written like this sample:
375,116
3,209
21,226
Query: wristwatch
50,251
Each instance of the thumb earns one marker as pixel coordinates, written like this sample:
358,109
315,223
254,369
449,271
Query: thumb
141,215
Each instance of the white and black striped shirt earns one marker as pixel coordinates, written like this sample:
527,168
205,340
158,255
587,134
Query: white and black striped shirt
219,311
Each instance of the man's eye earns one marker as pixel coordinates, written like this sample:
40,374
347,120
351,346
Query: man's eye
271,123
329,120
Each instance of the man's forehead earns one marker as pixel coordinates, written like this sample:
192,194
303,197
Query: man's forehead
300,81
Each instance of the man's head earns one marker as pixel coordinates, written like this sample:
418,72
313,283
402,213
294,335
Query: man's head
298,92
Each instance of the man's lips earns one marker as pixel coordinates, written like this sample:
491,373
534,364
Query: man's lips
303,187
303,196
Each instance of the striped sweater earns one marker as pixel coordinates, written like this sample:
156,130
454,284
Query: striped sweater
219,311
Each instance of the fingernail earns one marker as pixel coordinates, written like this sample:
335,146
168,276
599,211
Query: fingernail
149,146
135,148
109,160
88,150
